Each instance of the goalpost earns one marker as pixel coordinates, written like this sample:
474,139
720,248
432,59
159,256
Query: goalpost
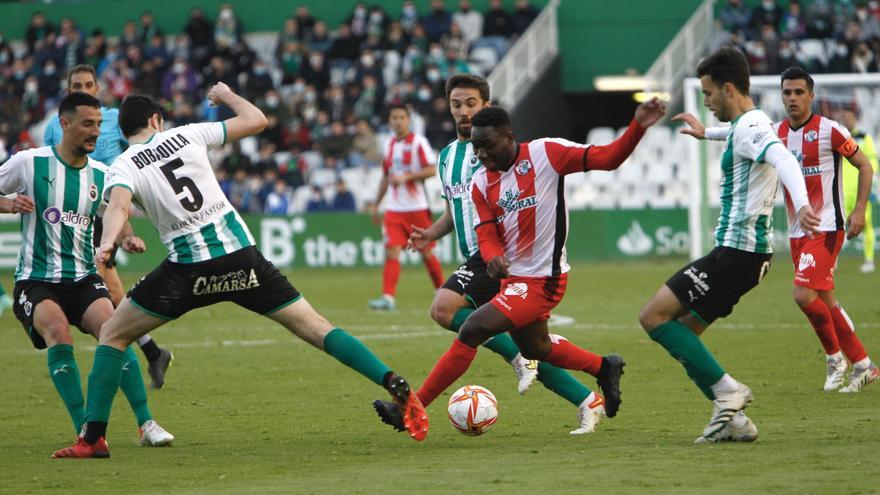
833,92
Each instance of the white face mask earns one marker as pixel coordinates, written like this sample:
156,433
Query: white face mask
272,101
424,94
179,68
367,60
298,87
30,87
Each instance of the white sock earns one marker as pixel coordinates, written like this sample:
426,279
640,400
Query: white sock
725,385
589,400
837,356
388,297
144,339
863,364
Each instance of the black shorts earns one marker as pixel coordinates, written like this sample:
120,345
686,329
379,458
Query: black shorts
472,280
244,277
96,241
711,286
74,298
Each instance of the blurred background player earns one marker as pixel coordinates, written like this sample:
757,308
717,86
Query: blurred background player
212,257
849,118
409,160
470,286
110,144
56,284
753,162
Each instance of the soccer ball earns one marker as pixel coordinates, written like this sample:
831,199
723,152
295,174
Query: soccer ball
473,410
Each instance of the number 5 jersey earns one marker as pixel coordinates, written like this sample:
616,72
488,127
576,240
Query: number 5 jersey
172,181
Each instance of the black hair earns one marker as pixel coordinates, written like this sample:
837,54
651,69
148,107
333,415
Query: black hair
468,81
398,106
726,65
84,68
70,102
495,117
796,72
135,113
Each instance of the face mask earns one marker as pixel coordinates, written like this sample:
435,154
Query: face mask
769,5
49,70
298,88
367,60
315,60
409,10
785,53
376,16
179,68
272,101
862,14
842,50
360,11
4,58
437,52
424,94
310,97
225,14
433,75
30,87
259,70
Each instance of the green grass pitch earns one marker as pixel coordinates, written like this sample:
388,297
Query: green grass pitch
257,411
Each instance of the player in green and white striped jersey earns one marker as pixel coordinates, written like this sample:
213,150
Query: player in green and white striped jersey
471,286
56,279
212,257
753,162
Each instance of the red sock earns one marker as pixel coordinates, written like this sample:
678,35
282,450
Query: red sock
564,354
820,318
390,276
449,368
846,335
434,270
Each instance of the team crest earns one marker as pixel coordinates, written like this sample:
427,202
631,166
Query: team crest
93,192
523,167
811,136
474,160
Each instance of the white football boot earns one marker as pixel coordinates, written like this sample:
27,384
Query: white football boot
725,406
835,374
589,414
526,372
859,378
153,435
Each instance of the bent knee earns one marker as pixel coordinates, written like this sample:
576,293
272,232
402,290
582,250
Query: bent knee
443,314
56,332
650,319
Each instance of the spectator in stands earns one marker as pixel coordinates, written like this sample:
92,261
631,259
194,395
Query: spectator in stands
70,43
346,47
49,82
344,199
316,72
278,200
440,130
335,147
38,30
148,27
235,160
227,28
770,40
316,202
274,131
437,21
364,146
455,42
259,82
497,21
266,161
768,13
201,37
304,21
735,16
863,59
523,15
819,17
156,51
469,21
148,80
292,170
119,79
290,61
181,78
409,17
869,24
358,21
793,26
378,24
239,191
289,34
219,70
129,36
319,39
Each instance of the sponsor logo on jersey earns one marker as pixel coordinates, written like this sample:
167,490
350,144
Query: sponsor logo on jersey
54,215
808,171
457,191
50,181
474,160
635,242
511,201
798,155
806,261
523,167
811,136
93,192
520,289
165,149
758,137
227,282
199,217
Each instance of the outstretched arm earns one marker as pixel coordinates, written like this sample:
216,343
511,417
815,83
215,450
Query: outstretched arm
611,156
792,178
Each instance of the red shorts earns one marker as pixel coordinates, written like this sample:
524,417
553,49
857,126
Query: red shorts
814,259
525,300
397,226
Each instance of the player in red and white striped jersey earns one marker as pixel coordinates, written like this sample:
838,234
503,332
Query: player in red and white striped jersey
409,160
820,144
522,228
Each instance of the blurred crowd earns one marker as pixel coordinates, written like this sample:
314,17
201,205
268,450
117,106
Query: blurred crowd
323,88
823,36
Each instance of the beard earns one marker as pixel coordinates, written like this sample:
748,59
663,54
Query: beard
464,132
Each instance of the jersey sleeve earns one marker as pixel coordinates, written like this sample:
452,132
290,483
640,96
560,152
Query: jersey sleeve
441,168
207,133
52,134
751,139
566,157
427,157
486,226
841,140
120,174
12,175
